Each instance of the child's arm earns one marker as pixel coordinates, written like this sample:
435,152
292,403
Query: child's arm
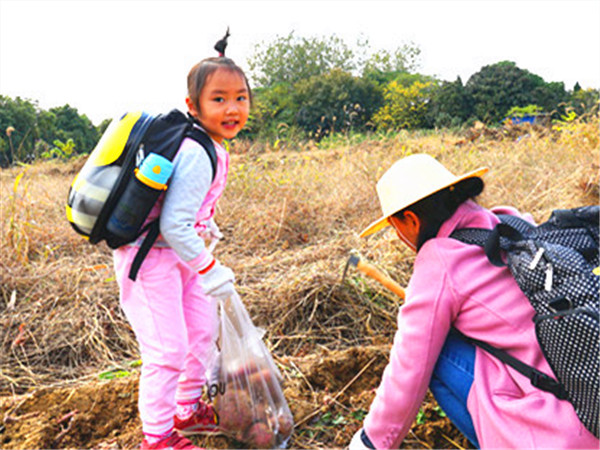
190,183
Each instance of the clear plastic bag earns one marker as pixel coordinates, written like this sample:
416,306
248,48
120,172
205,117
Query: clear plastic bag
245,383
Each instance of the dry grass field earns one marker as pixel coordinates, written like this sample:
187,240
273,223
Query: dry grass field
291,219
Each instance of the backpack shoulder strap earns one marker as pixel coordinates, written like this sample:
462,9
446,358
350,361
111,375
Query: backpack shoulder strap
510,229
206,142
153,232
537,378
173,128
174,118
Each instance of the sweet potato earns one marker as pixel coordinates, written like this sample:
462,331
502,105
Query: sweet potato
259,435
235,411
286,425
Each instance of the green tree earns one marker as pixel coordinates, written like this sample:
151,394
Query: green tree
584,101
70,124
498,87
450,105
336,101
20,115
551,97
290,95
404,106
273,110
103,126
46,122
290,59
403,59
32,129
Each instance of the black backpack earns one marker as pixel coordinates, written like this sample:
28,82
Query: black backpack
112,195
556,265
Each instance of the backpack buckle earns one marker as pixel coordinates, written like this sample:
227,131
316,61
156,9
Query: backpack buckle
559,304
548,384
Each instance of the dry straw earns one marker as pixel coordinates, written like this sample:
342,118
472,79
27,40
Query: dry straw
290,219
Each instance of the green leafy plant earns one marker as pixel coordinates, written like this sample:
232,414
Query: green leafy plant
112,374
439,411
359,415
328,420
420,417
62,150
522,111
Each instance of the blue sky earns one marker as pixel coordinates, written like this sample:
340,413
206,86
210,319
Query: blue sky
107,57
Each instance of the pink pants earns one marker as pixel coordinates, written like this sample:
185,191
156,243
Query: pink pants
174,323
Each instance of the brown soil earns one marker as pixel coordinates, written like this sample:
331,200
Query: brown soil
103,414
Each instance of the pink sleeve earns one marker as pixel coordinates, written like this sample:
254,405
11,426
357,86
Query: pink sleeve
423,324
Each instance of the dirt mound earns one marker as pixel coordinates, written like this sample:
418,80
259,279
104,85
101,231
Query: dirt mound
103,414
508,131
83,415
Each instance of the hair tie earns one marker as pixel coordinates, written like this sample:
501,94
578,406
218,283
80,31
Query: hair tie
221,44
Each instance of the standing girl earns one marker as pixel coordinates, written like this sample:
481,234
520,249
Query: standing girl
171,306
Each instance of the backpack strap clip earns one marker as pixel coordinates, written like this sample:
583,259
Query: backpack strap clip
548,384
495,243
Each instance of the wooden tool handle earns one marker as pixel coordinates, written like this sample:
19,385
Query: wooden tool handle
376,274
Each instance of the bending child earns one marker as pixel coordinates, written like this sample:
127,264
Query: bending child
453,286
171,306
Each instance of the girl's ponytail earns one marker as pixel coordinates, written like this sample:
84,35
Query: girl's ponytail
221,44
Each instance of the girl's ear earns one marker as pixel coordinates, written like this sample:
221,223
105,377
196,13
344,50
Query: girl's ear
407,228
413,221
191,107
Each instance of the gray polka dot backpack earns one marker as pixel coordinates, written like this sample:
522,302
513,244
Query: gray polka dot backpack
557,266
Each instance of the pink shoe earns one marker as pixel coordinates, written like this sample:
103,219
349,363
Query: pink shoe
171,442
204,421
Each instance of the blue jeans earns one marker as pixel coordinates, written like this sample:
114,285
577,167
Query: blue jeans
451,381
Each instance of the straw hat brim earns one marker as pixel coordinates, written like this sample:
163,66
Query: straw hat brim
383,222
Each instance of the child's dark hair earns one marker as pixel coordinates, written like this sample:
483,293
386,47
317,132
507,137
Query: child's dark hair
200,73
435,209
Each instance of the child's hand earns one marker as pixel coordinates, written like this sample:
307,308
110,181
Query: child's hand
357,442
218,281
211,233
211,230
224,291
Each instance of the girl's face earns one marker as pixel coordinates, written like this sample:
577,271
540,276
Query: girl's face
224,105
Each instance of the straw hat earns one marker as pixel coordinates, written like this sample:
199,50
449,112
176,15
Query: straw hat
409,180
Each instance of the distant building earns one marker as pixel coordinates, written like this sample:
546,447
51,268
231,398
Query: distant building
542,119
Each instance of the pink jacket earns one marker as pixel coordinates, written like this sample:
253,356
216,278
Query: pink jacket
190,202
453,284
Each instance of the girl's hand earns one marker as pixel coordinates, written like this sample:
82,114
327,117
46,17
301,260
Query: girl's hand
211,233
217,281
358,442
224,292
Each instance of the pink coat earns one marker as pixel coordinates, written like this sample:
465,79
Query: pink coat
453,284
207,202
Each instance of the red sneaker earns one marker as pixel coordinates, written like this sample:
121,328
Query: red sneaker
204,421
171,442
